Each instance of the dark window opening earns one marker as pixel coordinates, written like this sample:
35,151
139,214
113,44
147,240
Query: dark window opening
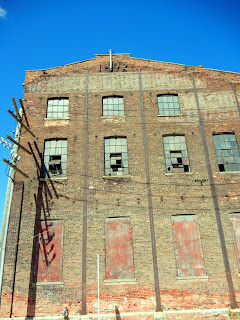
221,167
55,166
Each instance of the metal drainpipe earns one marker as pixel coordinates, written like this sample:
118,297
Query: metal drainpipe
7,207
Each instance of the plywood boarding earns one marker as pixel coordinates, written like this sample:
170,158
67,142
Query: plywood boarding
119,252
189,255
235,222
50,249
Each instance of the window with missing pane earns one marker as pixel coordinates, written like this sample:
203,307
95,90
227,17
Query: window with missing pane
58,108
113,106
168,104
116,158
176,155
227,152
55,158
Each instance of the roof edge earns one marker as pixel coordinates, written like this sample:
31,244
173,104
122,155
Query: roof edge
173,63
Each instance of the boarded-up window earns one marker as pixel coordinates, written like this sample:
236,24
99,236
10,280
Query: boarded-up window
119,252
235,222
49,251
188,247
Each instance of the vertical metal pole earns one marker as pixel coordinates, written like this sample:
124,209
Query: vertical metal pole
236,98
149,195
85,208
110,54
7,207
98,287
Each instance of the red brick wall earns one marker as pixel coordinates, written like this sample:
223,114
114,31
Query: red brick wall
171,194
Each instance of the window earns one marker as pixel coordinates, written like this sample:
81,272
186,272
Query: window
235,222
55,158
113,106
49,251
119,252
57,108
227,152
116,159
176,156
168,104
187,246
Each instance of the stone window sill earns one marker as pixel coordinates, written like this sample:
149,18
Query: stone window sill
170,115
56,119
193,278
229,172
54,179
117,177
113,117
119,281
49,283
178,173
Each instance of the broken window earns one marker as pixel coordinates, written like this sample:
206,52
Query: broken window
168,104
176,156
235,222
119,251
49,251
227,152
116,159
58,108
55,158
188,249
113,106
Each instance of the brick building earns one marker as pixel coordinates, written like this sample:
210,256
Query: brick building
136,161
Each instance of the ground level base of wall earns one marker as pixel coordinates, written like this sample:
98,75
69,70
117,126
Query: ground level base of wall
219,314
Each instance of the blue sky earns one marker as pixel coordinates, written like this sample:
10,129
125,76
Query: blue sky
43,34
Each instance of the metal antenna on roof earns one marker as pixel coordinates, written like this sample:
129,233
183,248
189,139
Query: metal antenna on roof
111,62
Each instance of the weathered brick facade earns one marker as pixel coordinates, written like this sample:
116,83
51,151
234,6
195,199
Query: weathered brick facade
148,196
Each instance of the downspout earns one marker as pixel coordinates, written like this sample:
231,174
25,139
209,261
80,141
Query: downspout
7,207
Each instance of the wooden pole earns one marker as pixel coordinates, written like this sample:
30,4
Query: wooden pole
15,105
16,118
24,113
15,168
18,144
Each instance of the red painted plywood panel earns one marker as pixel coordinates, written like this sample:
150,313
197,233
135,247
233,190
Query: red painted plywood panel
50,248
119,253
235,222
188,247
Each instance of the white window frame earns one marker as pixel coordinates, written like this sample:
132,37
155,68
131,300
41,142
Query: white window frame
168,105
57,108
113,106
